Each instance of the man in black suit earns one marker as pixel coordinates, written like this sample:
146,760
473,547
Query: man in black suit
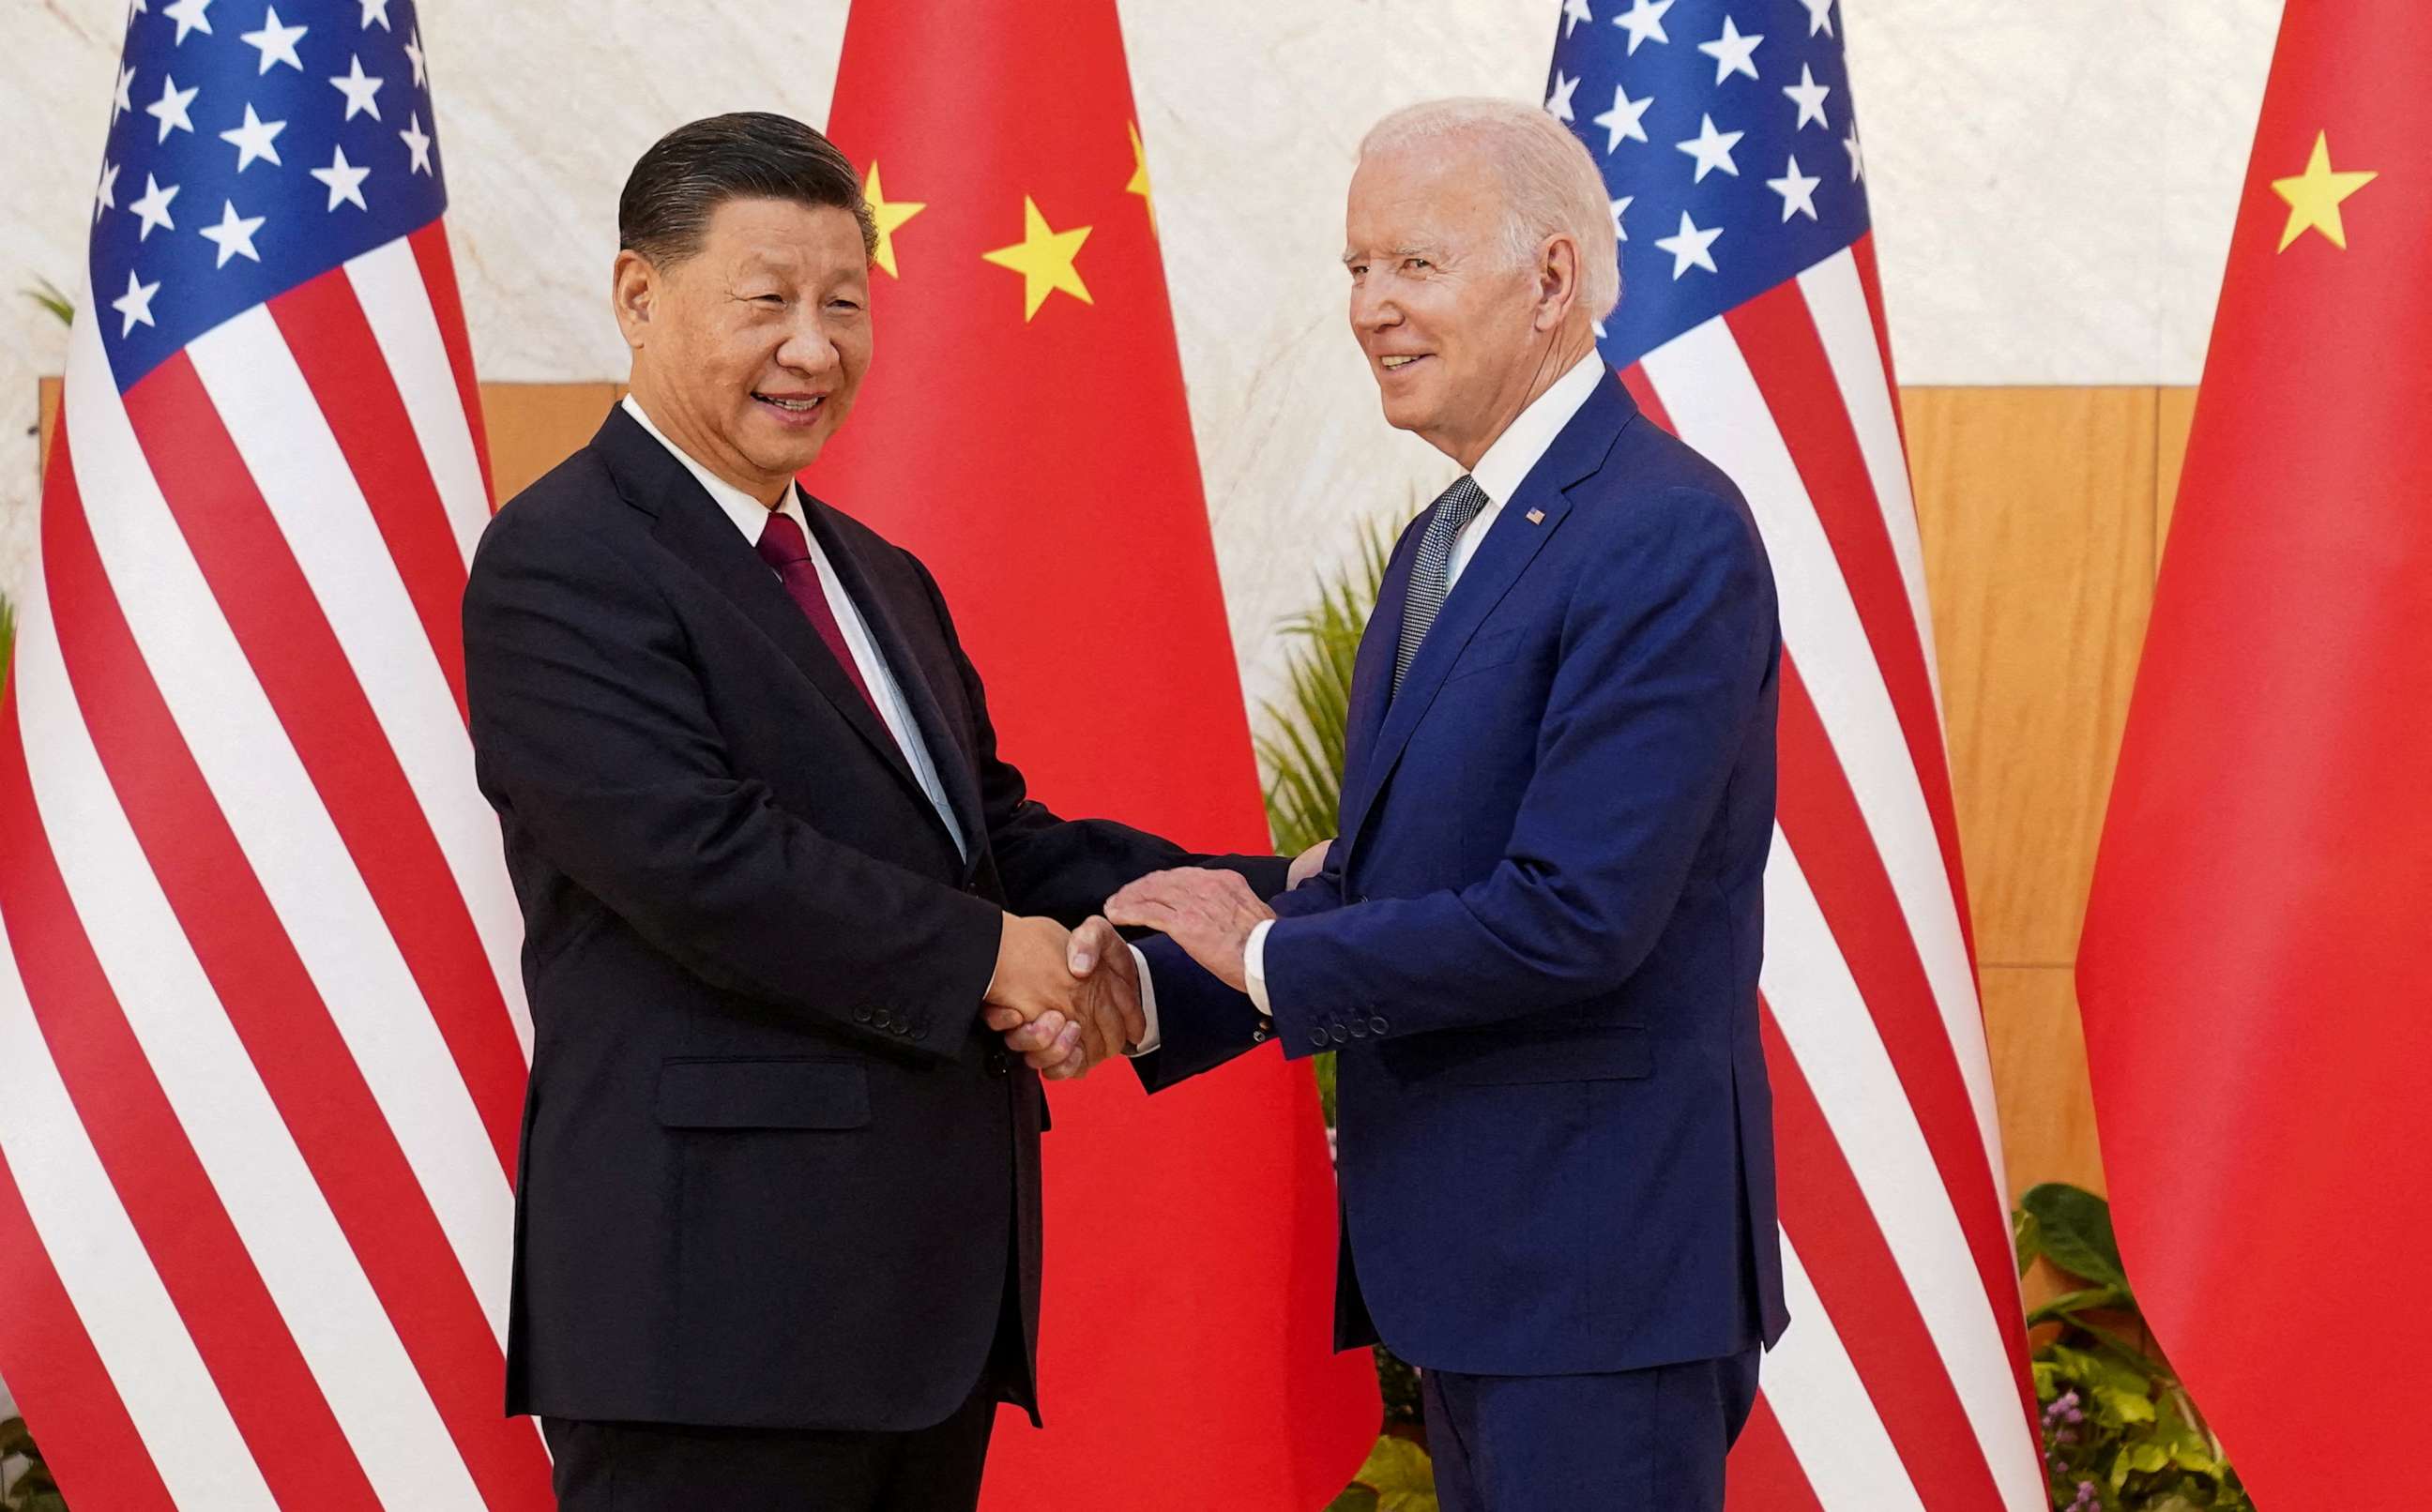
777,1236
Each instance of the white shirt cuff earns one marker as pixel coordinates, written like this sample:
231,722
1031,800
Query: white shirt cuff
1254,966
1151,1039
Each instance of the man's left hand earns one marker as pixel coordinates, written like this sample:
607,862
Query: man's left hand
1209,913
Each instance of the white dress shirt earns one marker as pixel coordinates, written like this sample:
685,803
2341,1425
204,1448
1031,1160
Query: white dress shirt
751,516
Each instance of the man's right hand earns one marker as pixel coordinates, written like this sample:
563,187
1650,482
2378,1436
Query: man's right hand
1064,1000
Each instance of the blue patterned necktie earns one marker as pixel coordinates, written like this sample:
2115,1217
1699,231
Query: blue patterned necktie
1454,509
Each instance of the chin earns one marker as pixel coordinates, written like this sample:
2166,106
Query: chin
1405,413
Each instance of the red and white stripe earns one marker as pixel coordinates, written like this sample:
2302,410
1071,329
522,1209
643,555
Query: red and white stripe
263,1035
1901,1382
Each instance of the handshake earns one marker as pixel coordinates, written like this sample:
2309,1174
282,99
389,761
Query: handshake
1065,1000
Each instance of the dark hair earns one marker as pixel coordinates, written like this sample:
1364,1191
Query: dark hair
677,185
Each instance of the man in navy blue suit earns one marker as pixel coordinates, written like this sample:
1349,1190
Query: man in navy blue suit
1535,942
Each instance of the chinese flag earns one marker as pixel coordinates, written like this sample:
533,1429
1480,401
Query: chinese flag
2257,970
1024,431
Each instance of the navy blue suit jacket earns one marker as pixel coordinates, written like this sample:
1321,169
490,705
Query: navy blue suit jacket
1536,940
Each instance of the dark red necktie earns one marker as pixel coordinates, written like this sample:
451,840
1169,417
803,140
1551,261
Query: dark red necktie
783,547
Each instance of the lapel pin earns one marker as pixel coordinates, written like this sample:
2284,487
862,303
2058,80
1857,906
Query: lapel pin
1536,516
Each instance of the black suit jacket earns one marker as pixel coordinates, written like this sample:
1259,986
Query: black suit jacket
774,1171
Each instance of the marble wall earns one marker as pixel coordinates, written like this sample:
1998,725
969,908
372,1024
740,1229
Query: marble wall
2052,192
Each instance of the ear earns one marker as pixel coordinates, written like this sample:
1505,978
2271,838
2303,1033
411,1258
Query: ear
634,289
1558,280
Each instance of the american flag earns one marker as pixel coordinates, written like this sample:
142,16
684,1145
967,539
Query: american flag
263,1035
1752,325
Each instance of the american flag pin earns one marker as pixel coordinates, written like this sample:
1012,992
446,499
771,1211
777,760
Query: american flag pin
1536,516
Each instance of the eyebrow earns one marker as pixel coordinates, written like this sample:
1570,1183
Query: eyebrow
1411,249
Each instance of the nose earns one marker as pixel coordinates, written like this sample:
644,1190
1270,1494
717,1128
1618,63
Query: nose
810,347
1371,309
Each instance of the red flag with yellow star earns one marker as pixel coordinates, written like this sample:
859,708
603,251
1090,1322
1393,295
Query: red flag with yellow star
2257,963
1023,429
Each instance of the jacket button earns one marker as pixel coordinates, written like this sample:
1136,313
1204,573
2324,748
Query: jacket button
861,1016
1259,1036
997,1063
920,1031
1358,1029
1377,1023
1317,1037
1339,1034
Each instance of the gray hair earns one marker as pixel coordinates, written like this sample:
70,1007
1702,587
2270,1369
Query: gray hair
1550,184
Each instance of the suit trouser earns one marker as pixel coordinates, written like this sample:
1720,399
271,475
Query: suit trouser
641,1467
1631,1441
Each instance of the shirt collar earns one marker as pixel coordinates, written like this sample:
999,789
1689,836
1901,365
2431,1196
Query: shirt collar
750,515
1514,454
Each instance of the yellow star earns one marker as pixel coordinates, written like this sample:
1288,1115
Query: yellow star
1043,256
889,215
2314,196
1140,176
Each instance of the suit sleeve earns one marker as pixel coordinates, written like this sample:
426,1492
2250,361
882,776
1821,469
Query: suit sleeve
1202,1023
1669,647
1066,868
592,731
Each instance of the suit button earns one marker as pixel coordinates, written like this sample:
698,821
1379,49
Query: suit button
1358,1029
1378,1024
997,1063
1317,1037
1339,1034
861,1016
920,1031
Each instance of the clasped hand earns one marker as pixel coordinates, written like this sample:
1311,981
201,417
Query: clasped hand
1065,1000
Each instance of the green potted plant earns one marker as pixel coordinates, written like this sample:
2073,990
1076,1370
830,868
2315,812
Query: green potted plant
2119,1431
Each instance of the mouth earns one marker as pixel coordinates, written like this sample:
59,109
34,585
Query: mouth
792,409
1401,361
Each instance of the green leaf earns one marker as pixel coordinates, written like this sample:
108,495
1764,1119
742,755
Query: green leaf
14,1438
2027,1238
7,649
48,296
2065,1306
1398,1471
1354,1499
1300,744
2075,1226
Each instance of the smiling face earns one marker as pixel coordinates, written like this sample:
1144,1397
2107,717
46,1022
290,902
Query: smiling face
1451,329
746,354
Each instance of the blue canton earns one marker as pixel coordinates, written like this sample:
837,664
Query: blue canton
1710,118
253,147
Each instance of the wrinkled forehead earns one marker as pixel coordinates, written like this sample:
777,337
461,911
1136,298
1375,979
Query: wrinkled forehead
1439,196
781,237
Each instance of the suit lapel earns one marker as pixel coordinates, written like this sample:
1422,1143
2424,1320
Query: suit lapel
697,531
1527,520
947,741
1372,675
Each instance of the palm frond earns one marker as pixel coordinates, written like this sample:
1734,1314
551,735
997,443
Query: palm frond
46,295
1300,739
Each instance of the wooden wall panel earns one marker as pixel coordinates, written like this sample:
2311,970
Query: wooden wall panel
50,408
2047,1132
2036,511
533,426
2177,412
